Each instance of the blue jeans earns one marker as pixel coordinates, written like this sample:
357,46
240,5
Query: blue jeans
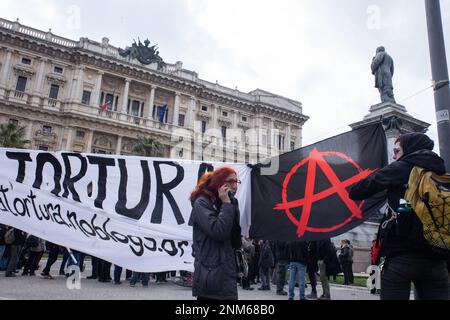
117,273
300,268
2,250
144,276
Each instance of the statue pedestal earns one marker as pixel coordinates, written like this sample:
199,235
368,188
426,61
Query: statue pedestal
396,121
380,109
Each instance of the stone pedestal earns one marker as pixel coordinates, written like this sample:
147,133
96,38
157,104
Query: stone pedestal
396,121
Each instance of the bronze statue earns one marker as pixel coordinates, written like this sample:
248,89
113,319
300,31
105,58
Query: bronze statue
383,69
143,53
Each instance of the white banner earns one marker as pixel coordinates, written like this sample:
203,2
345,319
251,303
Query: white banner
131,211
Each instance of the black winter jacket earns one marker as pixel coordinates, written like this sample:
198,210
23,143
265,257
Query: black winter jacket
394,179
215,265
298,252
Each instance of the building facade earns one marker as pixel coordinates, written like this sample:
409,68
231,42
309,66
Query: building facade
85,96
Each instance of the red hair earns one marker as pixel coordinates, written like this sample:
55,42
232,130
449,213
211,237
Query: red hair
210,183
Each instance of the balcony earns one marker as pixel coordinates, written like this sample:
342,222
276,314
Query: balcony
45,137
18,96
52,104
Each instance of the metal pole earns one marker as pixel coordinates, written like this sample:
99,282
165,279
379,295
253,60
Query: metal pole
440,77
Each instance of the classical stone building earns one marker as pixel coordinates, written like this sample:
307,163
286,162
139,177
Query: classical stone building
86,96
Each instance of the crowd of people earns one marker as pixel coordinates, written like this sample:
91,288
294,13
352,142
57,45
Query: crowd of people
269,263
399,247
21,255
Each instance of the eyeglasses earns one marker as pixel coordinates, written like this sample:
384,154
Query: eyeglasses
233,181
396,150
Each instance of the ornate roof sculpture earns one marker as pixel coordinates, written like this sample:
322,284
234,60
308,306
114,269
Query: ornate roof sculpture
143,53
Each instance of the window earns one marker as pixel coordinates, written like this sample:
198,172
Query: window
281,142
180,153
26,61
54,90
244,119
292,145
80,134
264,140
224,132
109,101
205,108
181,118
43,148
46,129
86,99
58,70
21,84
135,108
15,122
203,126
225,114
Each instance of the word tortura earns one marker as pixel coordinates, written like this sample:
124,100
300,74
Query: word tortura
65,181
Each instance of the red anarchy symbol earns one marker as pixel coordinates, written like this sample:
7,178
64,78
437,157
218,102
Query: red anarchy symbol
315,159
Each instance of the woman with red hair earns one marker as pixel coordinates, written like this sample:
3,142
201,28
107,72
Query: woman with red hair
216,235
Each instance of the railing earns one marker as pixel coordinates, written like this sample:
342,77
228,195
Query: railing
6,24
32,32
19,94
49,136
52,102
16,26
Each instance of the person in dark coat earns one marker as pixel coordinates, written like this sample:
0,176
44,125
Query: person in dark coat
281,257
346,261
216,235
15,247
408,257
328,265
312,268
297,252
266,262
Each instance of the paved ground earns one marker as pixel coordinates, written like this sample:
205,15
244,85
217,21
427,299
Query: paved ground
32,288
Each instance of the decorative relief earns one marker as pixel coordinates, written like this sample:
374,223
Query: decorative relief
24,71
57,79
103,141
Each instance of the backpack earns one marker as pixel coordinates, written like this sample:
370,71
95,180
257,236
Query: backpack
429,195
9,236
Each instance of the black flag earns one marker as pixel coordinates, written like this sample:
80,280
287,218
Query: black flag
307,199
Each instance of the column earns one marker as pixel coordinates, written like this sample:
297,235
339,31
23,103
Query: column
37,91
5,72
215,116
80,83
191,113
288,138
299,138
69,139
29,135
95,101
119,145
270,136
176,109
125,96
236,119
89,141
150,102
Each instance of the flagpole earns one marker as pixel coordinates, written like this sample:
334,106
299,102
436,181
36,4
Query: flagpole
440,77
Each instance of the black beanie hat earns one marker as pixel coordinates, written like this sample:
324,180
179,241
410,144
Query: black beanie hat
412,142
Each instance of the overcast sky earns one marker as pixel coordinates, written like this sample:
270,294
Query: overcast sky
316,52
